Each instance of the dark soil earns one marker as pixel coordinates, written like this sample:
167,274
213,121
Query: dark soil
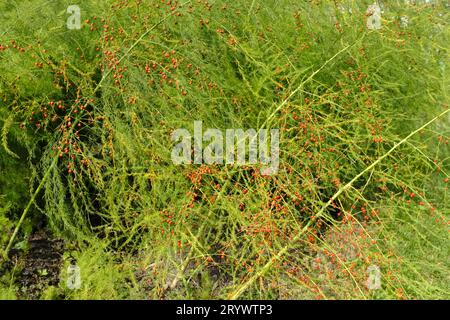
41,265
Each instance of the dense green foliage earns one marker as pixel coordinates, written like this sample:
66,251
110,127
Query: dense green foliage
86,117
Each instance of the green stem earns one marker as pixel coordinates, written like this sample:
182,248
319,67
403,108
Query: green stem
33,197
27,208
268,265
